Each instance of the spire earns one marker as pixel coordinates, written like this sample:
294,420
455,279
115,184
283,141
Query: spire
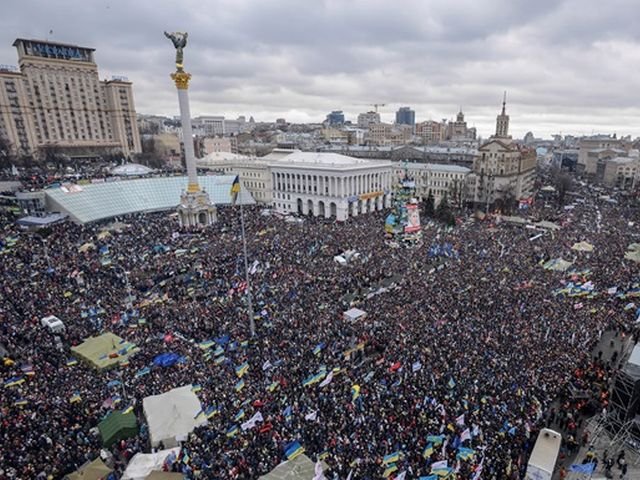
504,102
502,121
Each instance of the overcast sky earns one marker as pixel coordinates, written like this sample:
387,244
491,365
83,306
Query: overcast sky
568,66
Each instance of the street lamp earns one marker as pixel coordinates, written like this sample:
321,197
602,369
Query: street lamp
128,284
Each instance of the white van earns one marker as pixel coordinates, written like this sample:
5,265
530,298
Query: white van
544,455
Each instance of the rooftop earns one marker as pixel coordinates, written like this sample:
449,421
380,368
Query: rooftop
98,201
324,159
48,42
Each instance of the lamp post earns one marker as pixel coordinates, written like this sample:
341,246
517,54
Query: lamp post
129,304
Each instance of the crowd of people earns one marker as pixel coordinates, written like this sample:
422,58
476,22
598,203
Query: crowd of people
459,359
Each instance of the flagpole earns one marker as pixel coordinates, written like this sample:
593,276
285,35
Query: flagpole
252,325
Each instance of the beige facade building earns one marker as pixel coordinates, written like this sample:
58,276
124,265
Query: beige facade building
56,99
430,131
598,148
366,119
621,172
385,134
504,171
220,144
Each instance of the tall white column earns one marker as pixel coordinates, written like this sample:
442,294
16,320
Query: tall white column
187,139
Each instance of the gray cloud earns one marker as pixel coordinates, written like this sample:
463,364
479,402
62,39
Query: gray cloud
569,66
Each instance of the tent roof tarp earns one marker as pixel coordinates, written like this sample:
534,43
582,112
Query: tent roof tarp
354,314
164,476
143,465
557,265
95,470
172,414
105,351
117,426
582,247
300,468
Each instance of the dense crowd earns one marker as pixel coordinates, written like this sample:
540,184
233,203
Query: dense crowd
462,358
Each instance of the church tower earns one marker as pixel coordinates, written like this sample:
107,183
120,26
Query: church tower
502,120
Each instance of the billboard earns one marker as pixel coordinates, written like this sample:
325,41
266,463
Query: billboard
413,218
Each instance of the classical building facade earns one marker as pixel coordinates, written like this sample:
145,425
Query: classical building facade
599,147
504,171
330,185
56,100
438,179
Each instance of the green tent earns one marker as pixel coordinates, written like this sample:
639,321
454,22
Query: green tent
105,351
117,426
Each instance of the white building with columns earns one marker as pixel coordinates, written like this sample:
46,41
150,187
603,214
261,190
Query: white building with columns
330,185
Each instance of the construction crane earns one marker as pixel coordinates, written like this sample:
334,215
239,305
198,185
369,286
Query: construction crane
376,105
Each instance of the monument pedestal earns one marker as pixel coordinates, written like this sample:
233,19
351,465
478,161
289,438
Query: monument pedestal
196,209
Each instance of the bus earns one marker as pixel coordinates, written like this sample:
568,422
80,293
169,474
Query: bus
544,455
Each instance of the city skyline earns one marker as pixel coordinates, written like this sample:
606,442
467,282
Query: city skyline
566,67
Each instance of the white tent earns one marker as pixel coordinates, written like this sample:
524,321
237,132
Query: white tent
172,415
300,468
142,464
354,314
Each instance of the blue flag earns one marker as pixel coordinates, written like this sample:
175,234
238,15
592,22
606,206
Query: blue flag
587,468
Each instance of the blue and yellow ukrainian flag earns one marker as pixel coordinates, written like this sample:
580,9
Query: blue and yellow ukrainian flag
14,382
219,360
428,451
27,370
20,403
293,450
212,411
389,470
239,386
355,392
465,453
196,388
273,386
235,190
239,416
206,344
219,351
391,458
242,369
71,362
75,398
200,415
318,348
232,431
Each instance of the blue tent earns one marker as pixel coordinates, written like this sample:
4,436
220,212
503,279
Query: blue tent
166,359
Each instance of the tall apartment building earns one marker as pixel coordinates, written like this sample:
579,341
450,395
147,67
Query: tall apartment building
56,99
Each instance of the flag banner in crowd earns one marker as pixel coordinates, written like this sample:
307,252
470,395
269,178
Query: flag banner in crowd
389,469
452,383
239,416
212,411
206,344
312,416
129,409
266,366
355,392
428,451
239,386
218,351
460,420
273,386
293,450
21,402
200,416
142,372
71,362
391,458
232,431
401,476
286,413
318,348
220,360
242,369
252,422
586,468
416,366
14,382
196,388
75,398
435,439
114,383
465,435
440,464
442,472
315,378
235,190
28,370
465,453
327,380
429,477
